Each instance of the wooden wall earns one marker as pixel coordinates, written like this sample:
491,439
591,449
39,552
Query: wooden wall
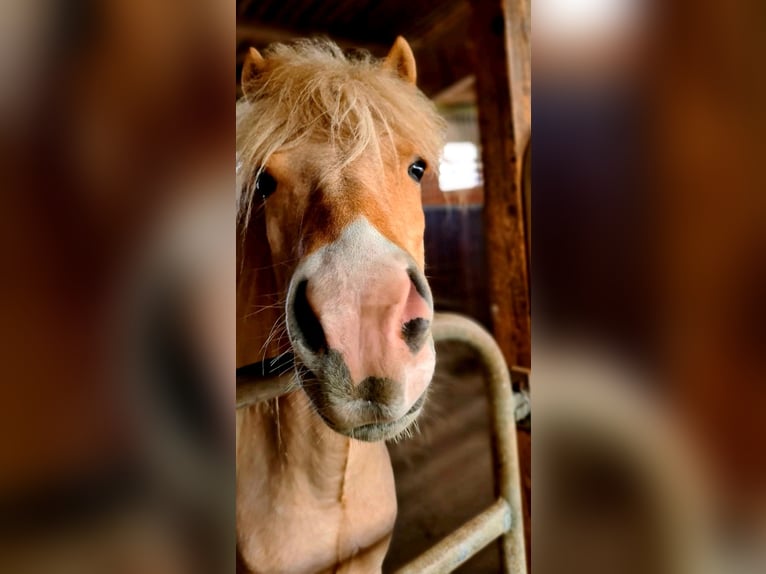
456,260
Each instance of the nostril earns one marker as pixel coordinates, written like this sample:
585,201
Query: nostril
414,333
308,324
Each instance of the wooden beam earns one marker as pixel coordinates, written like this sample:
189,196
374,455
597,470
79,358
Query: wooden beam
261,36
243,7
461,92
518,25
498,58
441,24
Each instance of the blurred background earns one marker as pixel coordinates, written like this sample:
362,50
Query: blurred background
117,331
648,287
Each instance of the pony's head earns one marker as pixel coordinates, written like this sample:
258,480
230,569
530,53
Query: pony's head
331,150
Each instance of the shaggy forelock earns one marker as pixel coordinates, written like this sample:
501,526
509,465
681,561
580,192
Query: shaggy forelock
312,91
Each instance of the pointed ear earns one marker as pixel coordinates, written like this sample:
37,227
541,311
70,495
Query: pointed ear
401,60
253,67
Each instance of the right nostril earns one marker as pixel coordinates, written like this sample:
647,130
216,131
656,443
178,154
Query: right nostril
414,333
308,323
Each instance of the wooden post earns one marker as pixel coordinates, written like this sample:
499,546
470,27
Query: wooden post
500,32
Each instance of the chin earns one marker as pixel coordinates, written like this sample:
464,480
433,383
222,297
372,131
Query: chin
383,431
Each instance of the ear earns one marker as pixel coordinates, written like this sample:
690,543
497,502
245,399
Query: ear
253,67
401,60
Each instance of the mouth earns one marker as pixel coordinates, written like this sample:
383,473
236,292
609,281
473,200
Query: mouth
374,432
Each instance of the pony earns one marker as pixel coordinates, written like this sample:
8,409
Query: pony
331,151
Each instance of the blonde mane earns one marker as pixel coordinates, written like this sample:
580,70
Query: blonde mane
312,91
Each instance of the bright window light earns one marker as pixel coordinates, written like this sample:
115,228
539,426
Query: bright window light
459,167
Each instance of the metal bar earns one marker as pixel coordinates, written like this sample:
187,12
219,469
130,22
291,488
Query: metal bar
447,326
265,380
463,543
259,390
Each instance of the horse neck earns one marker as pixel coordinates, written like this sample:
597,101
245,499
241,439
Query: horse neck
296,447
294,474
308,446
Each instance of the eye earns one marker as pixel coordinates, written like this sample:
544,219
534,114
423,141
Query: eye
417,169
265,185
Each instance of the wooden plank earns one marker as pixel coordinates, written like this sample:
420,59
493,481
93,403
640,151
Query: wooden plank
461,92
243,7
498,58
261,36
518,26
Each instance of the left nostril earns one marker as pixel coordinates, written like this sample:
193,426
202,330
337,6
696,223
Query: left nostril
308,323
414,333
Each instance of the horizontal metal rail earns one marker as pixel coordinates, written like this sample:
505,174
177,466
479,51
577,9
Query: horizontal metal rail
250,392
457,547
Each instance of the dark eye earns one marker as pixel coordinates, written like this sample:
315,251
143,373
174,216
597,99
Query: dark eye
417,169
265,185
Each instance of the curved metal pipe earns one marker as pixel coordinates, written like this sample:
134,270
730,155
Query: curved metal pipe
452,327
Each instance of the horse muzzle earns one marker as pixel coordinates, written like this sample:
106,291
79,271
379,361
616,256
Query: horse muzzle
359,318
